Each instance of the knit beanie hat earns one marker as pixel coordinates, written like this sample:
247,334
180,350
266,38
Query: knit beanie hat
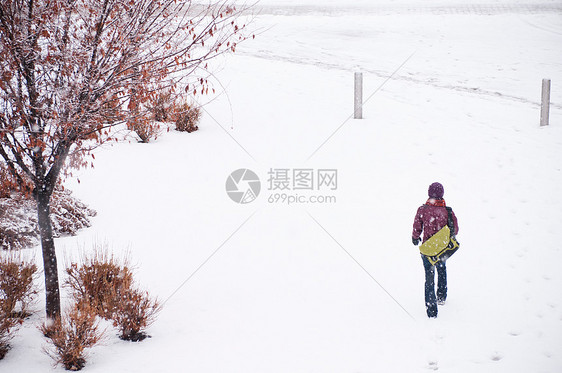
436,191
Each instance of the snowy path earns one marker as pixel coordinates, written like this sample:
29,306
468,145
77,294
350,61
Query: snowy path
408,78
429,8
449,52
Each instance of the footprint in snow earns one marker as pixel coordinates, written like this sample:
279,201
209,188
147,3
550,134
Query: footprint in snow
496,356
432,365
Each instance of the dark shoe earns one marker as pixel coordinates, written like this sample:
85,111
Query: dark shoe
441,302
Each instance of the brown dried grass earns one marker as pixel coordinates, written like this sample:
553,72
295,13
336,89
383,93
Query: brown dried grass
186,117
99,279
106,283
17,290
135,311
71,335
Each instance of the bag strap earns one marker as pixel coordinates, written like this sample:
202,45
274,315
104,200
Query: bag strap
450,221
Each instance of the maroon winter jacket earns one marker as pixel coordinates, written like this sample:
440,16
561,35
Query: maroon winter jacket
430,219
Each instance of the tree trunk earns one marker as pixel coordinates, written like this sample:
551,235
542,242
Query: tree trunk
49,256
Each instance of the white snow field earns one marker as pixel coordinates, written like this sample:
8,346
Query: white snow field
338,286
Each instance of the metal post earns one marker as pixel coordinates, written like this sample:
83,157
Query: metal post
545,101
358,107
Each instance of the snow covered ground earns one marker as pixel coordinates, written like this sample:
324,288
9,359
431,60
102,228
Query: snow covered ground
338,287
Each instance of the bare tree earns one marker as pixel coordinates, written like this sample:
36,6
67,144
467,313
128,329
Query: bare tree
71,70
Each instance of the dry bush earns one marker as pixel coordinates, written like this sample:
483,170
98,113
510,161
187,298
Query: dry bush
187,117
163,107
106,283
17,288
16,295
69,336
145,129
160,105
134,312
8,329
99,280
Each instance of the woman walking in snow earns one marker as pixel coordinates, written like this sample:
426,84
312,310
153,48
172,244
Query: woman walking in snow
429,219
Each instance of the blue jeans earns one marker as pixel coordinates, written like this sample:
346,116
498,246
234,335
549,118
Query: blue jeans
430,299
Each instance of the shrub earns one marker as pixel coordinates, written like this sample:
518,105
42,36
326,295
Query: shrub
68,214
160,105
187,117
145,129
16,284
99,281
18,223
106,284
8,328
69,336
134,312
163,107
16,289
18,218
